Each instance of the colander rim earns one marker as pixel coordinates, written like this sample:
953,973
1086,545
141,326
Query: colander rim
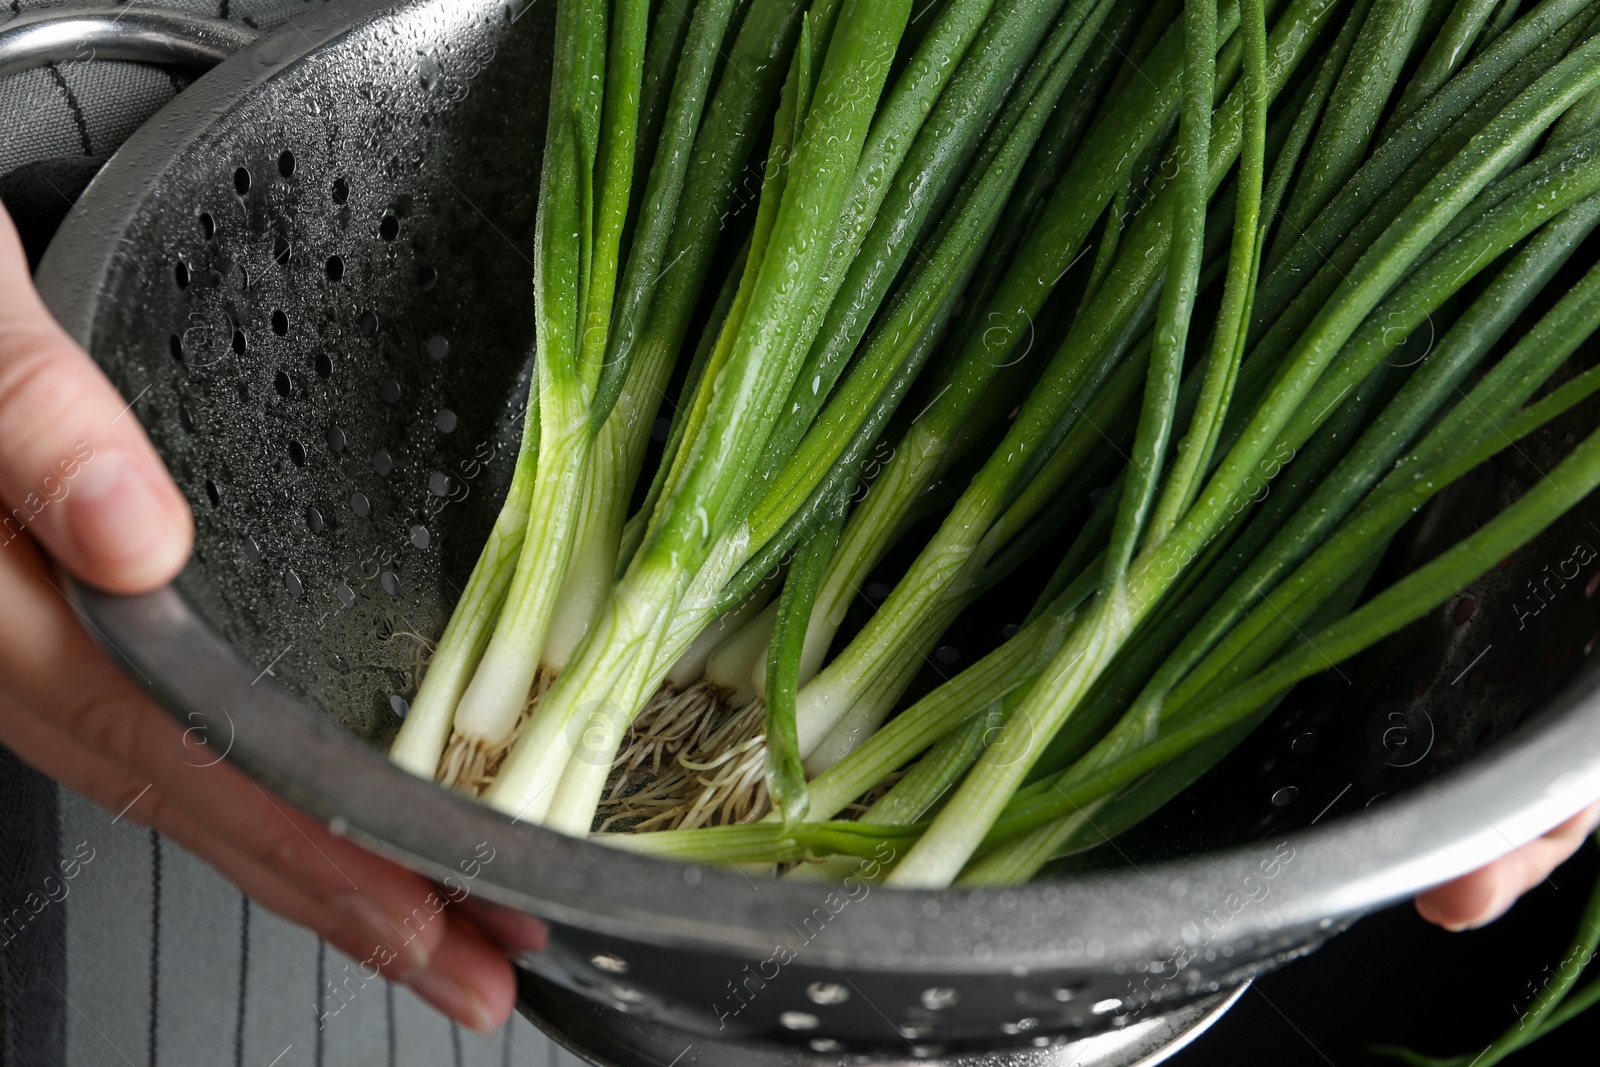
1343,867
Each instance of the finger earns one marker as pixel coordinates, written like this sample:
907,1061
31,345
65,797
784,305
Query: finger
470,980
76,469
372,947
369,940
466,977
463,959
103,712
375,951
141,804
88,774
514,931
1479,898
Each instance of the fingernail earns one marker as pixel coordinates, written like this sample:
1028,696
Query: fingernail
518,934
119,521
1494,910
454,999
521,935
395,949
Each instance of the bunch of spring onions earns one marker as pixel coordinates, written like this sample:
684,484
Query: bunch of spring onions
1101,296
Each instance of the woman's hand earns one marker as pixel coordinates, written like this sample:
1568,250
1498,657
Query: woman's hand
81,484
1486,894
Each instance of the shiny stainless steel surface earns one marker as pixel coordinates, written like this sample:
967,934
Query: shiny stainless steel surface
610,1038
64,33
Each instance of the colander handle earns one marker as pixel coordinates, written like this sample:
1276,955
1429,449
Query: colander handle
141,34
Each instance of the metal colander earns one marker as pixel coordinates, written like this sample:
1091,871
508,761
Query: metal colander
310,275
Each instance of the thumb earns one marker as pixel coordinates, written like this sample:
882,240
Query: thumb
76,470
